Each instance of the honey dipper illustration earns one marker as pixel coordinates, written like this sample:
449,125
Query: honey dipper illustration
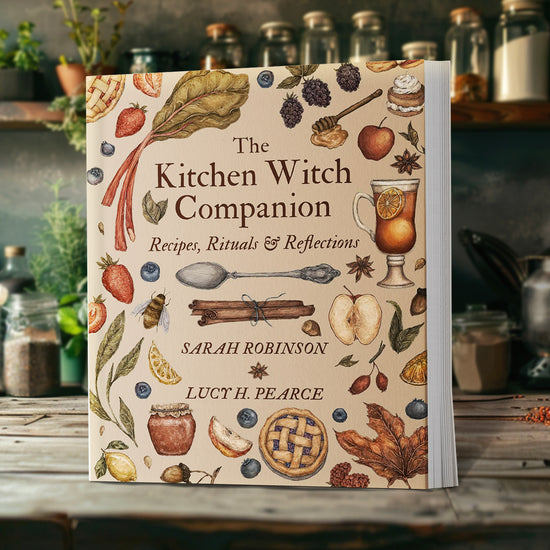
328,133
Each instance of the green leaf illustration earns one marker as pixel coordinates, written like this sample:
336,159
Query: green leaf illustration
127,363
296,70
100,467
110,342
153,211
347,361
308,70
96,408
118,445
127,419
406,338
289,82
400,338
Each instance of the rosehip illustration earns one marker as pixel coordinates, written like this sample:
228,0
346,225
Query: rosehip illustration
117,279
130,120
375,142
97,314
360,384
381,381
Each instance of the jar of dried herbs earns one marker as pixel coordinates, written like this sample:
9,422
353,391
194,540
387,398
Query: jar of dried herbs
31,345
223,48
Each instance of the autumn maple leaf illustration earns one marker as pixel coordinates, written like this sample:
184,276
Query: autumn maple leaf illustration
392,454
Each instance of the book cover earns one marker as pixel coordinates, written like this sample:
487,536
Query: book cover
257,276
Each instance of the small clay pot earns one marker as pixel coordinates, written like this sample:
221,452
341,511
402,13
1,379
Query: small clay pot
72,77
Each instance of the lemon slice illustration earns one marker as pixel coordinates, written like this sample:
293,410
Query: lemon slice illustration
416,370
161,368
390,203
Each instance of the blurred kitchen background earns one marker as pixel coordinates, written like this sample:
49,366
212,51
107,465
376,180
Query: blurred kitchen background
499,171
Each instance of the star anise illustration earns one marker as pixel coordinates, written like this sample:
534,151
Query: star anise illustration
406,162
361,266
258,371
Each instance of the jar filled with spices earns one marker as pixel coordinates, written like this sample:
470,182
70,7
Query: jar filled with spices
31,345
223,48
319,42
171,428
368,41
520,61
481,349
421,49
277,45
467,47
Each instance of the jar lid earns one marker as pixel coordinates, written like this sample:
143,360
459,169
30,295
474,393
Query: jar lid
171,409
31,302
318,19
420,44
142,50
367,18
522,4
477,315
14,251
276,28
464,14
219,29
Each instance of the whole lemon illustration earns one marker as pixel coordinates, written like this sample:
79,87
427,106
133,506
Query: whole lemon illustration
121,466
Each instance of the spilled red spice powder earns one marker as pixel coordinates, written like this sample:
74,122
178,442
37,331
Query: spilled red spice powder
538,415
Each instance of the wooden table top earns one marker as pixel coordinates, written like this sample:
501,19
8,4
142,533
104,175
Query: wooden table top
503,468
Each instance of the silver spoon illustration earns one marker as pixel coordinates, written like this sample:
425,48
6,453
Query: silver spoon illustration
209,275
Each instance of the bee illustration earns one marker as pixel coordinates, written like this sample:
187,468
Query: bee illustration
154,312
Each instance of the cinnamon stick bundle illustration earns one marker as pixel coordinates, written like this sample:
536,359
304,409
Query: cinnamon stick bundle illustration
247,309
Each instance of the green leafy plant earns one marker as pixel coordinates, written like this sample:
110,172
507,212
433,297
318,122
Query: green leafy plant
84,23
74,120
26,54
73,320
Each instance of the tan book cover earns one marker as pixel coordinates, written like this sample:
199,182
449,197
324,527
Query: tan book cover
257,276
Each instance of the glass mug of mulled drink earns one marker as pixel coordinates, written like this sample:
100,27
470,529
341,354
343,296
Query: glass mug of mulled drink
394,203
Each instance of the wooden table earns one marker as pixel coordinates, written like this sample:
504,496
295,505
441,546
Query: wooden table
46,501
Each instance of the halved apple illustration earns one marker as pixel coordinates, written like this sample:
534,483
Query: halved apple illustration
226,440
355,317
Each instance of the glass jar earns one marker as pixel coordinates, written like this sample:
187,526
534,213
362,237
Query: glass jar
420,50
31,345
277,45
467,47
171,428
481,349
144,60
520,61
319,42
223,48
368,42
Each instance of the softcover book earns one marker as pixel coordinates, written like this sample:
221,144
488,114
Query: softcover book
269,276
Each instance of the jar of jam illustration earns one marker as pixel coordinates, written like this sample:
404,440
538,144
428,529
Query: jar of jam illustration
172,428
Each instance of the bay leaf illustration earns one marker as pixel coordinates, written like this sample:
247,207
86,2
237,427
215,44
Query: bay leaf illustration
153,211
401,338
118,445
110,342
128,362
126,418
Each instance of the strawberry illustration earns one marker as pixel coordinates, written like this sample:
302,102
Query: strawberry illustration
130,120
117,279
97,314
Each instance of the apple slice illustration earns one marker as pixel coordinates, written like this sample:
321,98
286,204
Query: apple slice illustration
355,317
226,440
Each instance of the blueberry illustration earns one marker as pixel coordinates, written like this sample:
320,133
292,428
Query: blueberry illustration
150,272
250,468
339,415
143,390
265,79
417,409
247,418
94,176
107,150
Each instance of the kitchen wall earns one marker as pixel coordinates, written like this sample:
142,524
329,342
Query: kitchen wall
500,178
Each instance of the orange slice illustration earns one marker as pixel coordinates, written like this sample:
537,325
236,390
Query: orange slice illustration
161,368
390,203
416,370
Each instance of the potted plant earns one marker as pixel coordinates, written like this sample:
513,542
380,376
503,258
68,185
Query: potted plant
60,269
74,120
19,64
85,24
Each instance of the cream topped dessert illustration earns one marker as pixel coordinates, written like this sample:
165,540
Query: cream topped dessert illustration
406,96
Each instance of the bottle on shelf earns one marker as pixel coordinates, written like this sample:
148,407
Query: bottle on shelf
223,48
277,45
520,60
467,47
420,49
319,41
368,41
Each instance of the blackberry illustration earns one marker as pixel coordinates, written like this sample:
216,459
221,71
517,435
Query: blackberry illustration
339,473
348,77
291,111
316,92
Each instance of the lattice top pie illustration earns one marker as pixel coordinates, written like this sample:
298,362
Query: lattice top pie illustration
102,94
294,443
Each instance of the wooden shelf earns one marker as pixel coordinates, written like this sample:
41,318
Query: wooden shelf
500,115
26,115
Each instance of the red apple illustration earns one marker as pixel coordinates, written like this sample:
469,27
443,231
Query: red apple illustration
376,142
